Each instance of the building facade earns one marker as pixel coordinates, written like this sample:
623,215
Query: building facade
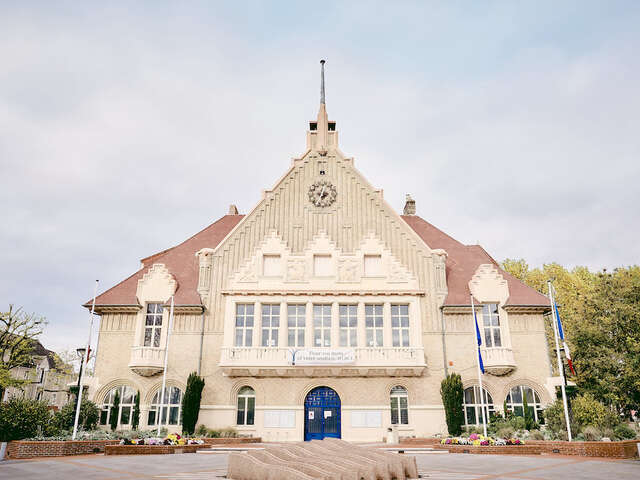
45,378
322,312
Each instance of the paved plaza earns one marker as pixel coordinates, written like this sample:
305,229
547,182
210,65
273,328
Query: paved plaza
210,466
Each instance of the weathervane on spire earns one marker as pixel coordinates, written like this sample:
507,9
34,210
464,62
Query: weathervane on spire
322,81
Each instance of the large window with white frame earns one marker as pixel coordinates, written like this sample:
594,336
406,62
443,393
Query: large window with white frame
400,325
374,319
515,402
246,406
270,324
348,325
399,406
169,414
491,325
125,408
472,405
322,325
296,320
153,325
244,324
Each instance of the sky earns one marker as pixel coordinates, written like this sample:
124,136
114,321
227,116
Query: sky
127,127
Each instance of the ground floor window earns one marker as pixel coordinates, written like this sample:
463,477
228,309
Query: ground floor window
171,407
246,406
399,406
125,409
472,404
515,402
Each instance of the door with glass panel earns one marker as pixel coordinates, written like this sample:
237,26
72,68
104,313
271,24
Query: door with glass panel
322,414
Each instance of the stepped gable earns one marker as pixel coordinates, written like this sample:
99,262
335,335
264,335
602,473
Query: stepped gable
179,260
462,263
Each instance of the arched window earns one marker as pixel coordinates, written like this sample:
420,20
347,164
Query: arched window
171,408
125,411
472,404
246,406
399,406
515,402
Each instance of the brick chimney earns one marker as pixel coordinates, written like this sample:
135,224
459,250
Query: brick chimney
409,206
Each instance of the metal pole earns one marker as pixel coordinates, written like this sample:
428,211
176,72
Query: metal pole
79,377
484,420
85,360
164,371
554,320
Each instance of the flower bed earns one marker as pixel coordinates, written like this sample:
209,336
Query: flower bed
173,443
174,439
477,440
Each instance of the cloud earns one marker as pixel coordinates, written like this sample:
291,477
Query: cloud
124,130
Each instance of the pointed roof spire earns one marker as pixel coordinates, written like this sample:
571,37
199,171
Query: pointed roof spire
322,62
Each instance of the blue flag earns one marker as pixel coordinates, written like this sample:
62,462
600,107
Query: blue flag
560,329
479,338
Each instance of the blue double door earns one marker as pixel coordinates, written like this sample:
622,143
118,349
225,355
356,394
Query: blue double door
321,414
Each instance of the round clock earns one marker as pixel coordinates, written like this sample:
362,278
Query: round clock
322,193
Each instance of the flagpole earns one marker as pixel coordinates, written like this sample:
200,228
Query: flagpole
83,365
164,371
484,420
554,320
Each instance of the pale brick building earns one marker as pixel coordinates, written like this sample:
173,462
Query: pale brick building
321,312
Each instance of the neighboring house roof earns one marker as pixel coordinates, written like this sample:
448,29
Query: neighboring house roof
39,351
462,263
179,260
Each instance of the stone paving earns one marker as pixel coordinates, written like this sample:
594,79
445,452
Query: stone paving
209,466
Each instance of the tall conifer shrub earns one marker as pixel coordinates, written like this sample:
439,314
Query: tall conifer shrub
191,403
115,410
135,418
452,395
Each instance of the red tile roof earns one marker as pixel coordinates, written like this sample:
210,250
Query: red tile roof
462,263
179,260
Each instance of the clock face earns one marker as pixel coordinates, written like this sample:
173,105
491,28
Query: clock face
322,193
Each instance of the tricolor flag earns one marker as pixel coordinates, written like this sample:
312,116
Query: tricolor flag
479,338
564,343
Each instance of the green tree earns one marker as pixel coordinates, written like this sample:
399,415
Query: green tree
22,418
135,418
89,415
528,418
452,395
554,417
18,333
115,410
607,340
601,318
191,403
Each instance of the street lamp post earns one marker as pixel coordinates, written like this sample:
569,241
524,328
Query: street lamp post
81,351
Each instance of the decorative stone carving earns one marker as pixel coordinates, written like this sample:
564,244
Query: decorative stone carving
249,273
348,270
205,260
157,284
296,270
488,284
